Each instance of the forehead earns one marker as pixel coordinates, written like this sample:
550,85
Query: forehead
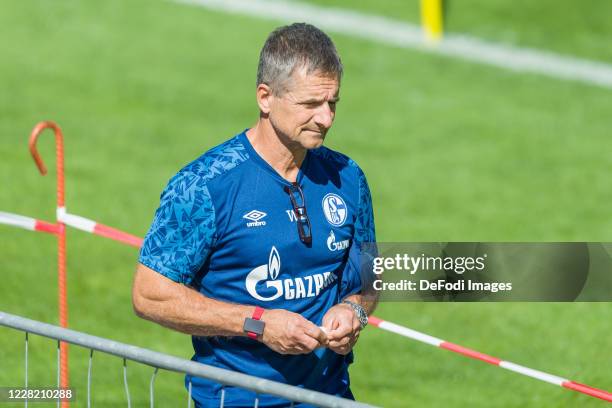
314,84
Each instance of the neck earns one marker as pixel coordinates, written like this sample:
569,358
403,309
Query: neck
284,157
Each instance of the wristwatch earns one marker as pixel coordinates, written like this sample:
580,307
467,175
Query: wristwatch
253,326
359,311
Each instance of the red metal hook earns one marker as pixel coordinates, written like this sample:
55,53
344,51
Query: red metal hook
61,236
59,149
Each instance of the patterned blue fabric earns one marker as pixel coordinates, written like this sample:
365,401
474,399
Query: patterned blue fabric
219,160
226,226
183,230
364,226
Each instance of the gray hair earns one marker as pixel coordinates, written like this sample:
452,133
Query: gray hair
293,47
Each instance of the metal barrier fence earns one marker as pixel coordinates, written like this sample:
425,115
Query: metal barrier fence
164,361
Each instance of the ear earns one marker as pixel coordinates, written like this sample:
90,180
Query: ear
264,98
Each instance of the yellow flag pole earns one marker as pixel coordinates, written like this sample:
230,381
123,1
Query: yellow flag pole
431,17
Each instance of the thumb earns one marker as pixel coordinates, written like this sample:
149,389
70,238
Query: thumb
330,323
319,333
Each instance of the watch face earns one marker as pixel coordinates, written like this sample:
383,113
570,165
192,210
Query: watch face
253,326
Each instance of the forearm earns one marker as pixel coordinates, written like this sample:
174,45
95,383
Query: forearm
183,309
367,301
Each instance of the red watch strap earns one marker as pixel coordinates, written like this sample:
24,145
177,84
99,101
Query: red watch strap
258,312
256,316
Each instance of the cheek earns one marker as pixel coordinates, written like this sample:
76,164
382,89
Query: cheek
295,119
291,119
304,117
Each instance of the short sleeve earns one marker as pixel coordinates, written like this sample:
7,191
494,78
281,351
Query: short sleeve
363,240
364,225
182,234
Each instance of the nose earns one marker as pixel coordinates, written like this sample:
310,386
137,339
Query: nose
324,116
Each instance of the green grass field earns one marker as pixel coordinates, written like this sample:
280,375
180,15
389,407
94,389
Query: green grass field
452,151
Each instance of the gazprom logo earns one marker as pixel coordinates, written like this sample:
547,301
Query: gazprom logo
332,245
335,209
264,279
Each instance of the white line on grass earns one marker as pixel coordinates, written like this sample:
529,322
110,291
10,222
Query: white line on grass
405,35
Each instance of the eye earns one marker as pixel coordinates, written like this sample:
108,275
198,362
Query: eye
310,105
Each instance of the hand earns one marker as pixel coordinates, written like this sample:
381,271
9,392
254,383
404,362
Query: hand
289,333
342,327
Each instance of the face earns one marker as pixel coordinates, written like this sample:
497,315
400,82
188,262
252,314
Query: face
305,112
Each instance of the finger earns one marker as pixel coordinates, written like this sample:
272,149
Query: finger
340,342
300,350
342,331
308,343
330,323
288,351
341,350
296,349
328,320
316,333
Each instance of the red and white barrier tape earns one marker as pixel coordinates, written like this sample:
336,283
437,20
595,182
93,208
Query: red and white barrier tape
93,227
28,223
539,375
75,221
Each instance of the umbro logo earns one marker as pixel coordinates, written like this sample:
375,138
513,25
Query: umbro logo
255,216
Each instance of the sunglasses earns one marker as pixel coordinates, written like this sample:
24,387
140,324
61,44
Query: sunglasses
296,195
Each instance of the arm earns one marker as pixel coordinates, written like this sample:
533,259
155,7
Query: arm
170,304
179,307
181,238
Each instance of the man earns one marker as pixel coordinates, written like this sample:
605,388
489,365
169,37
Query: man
255,245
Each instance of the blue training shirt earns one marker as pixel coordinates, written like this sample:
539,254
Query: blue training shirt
226,226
